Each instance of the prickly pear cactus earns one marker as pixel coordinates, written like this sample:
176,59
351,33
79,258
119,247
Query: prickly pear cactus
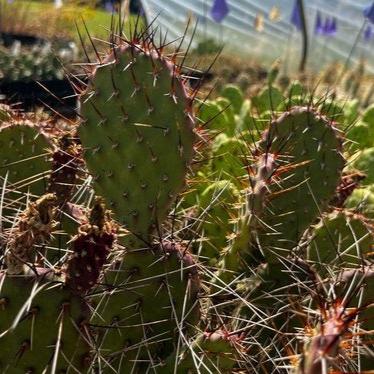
304,164
215,117
149,298
341,239
24,162
362,201
209,352
218,207
137,134
234,95
229,159
267,100
289,278
364,161
43,328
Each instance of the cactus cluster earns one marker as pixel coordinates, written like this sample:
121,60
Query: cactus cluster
40,63
120,255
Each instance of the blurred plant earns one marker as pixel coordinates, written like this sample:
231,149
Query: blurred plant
16,19
207,46
39,63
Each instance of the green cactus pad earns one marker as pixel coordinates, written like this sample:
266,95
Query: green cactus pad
364,161
234,95
359,136
362,201
151,294
218,204
42,327
268,100
215,117
137,135
215,352
296,90
24,163
228,109
368,116
341,239
351,111
303,169
229,158
332,110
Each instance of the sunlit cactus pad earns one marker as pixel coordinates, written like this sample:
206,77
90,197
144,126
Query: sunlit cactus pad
137,134
303,153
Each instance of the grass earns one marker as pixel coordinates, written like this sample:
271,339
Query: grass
42,19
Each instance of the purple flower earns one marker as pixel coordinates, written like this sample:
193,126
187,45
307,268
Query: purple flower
369,12
219,10
368,34
318,28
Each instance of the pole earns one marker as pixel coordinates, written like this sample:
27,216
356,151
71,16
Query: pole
304,30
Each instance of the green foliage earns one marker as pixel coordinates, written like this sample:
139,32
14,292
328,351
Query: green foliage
234,95
213,351
228,158
217,203
154,289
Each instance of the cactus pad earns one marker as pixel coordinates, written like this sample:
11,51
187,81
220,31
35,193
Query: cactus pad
24,164
137,135
215,352
364,161
41,326
150,295
341,239
303,150
229,158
